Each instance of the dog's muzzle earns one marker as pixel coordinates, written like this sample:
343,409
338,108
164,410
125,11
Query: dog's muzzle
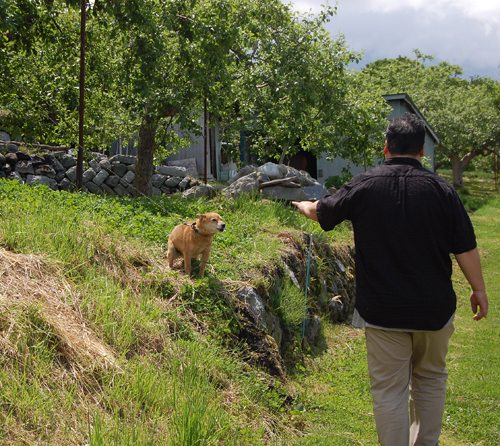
221,227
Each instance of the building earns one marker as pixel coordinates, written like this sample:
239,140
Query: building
400,103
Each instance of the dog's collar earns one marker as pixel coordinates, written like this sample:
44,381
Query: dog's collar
192,225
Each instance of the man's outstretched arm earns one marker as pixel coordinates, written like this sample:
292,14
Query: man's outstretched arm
470,264
307,208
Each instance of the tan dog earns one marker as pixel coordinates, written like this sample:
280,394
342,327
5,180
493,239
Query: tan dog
193,239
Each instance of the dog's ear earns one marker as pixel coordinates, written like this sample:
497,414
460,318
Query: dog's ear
201,216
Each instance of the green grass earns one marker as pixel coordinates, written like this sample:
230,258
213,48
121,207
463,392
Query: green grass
180,378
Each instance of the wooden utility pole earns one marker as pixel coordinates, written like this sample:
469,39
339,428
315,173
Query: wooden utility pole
205,119
79,162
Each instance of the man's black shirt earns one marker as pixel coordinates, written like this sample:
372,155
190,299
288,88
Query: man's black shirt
407,220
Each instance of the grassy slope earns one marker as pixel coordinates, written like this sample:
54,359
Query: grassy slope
158,323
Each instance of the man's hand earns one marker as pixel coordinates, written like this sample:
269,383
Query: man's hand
307,208
479,299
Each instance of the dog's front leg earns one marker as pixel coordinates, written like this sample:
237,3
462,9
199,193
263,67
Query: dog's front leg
187,264
204,260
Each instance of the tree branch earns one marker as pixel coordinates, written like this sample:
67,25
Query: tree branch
39,146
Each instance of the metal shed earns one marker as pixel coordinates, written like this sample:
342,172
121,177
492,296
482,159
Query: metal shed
400,103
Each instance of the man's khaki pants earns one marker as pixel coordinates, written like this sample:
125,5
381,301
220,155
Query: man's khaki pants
408,366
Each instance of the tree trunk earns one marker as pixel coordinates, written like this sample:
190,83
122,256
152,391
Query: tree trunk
456,165
283,154
144,163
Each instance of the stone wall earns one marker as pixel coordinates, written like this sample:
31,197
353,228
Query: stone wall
101,175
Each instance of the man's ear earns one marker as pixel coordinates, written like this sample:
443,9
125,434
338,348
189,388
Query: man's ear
422,152
386,148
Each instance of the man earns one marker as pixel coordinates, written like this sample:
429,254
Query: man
406,223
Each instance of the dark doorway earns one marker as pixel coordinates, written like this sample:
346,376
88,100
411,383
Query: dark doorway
304,161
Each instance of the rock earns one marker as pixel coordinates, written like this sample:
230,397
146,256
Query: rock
25,167
6,169
98,157
123,159
60,175
4,136
119,169
36,159
59,155
157,180
183,185
274,328
340,266
248,183
46,170
107,190
58,167
128,179
12,148
156,191
250,296
284,193
106,165
112,180
273,171
40,179
172,181
71,174
263,178
336,308
203,190
315,192
49,158
121,191
88,175
11,158
100,177
94,164
292,172
172,171
312,329
68,161
307,180
241,173
189,164
2,160
92,187
66,185
21,156
15,176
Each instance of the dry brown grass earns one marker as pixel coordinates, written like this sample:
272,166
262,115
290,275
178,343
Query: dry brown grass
27,282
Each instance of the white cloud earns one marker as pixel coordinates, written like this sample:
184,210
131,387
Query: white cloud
462,32
487,11
484,10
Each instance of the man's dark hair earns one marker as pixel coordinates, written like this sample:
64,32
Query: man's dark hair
406,135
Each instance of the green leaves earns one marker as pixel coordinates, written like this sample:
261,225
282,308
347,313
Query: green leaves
462,112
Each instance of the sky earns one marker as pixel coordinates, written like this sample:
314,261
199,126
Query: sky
461,32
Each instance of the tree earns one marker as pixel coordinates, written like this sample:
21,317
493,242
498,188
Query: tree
40,77
155,63
464,113
296,92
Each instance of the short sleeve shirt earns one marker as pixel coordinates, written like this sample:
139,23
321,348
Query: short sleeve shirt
407,221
